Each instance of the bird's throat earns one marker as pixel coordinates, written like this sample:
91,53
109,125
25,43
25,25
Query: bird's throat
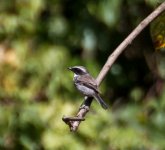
75,77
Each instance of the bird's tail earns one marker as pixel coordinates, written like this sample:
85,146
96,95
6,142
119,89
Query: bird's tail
101,101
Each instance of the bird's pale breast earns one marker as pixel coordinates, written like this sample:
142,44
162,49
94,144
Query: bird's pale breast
85,90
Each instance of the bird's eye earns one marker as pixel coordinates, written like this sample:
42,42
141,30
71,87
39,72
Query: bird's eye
78,71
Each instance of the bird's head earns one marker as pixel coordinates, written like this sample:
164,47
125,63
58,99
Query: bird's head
78,70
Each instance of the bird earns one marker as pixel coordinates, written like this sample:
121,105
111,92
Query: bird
86,84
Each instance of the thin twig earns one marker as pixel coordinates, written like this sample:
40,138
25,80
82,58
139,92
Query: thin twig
127,41
111,59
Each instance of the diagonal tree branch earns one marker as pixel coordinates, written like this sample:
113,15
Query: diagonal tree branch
74,122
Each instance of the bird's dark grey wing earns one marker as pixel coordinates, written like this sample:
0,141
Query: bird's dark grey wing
88,81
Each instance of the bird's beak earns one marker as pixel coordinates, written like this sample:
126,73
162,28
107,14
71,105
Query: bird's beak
70,68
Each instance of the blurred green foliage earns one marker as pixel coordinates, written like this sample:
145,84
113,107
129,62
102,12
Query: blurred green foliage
40,39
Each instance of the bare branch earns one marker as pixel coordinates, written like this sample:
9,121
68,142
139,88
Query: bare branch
83,110
111,59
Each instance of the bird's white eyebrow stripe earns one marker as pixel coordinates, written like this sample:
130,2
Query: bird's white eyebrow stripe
83,69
